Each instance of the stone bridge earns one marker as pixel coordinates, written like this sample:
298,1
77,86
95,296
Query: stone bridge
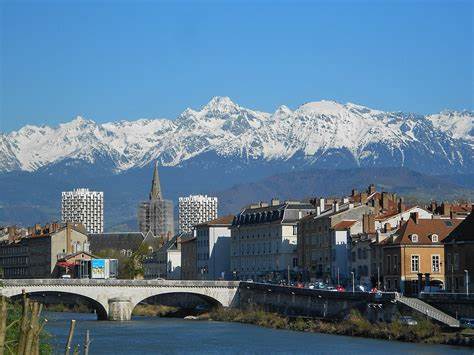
116,299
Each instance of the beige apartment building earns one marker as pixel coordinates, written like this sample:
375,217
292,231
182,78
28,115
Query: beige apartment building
36,255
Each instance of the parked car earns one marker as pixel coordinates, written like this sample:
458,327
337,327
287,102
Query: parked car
407,320
467,322
340,288
66,276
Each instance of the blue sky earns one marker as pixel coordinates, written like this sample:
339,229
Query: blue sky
127,60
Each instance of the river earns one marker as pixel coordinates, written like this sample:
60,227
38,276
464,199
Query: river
146,335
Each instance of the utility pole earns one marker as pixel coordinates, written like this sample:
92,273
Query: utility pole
378,277
467,282
288,274
353,282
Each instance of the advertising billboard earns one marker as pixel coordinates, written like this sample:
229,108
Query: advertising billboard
98,269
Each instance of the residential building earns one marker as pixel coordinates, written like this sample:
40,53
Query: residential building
450,210
263,239
459,251
165,262
37,254
188,258
156,214
324,240
85,207
123,243
213,248
196,209
414,256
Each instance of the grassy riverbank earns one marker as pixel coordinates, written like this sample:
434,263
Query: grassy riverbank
151,310
355,325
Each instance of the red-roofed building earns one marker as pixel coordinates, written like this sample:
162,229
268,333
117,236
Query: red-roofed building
414,256
459,250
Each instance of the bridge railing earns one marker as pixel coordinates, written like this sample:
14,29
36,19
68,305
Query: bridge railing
116,282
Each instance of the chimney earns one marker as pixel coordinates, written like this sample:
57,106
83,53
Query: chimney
351,205
354,192
345,200
335,206
368,223
415,217
363,198
387,227
275,202
322,205
385,200
371,189
445,209
318,210
11,233
401,205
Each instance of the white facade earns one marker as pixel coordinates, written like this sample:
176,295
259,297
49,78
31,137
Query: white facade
196,209
402,216
213,252
164,263
84,206
264,239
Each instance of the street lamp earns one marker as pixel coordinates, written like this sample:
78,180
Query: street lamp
467,281
353,282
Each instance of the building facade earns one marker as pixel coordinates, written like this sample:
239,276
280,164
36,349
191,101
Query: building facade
263,239
188,258
324,240
36,255
85,207
165,262
459,251
213,249
196,209
156,214
414,256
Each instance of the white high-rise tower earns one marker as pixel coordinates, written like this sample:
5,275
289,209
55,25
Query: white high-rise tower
196,209
84,206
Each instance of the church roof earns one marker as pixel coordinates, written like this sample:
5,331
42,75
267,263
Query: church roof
155,192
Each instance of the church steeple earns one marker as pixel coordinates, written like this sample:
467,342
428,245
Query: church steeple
155,192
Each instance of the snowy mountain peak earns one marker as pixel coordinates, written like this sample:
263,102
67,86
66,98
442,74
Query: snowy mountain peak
323,107
221,104
322,133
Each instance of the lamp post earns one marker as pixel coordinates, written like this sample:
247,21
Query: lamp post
467,281
378,277
338,283
353,282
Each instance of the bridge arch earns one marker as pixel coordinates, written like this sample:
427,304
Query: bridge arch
61,297
157,293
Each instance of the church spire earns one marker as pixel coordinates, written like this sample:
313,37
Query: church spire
155,192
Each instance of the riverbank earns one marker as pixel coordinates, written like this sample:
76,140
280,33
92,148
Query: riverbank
355,325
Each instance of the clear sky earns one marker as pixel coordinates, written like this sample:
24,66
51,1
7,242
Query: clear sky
112,60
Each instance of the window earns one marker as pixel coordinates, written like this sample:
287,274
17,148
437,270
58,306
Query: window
388,263
414,238
415,263
456,261
435,263
434,238
395,262
295,230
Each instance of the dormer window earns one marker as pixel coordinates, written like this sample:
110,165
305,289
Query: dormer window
414,238
434,238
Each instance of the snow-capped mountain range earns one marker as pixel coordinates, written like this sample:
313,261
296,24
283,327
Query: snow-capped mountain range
324,133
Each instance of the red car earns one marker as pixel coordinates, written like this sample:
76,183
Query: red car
340,288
